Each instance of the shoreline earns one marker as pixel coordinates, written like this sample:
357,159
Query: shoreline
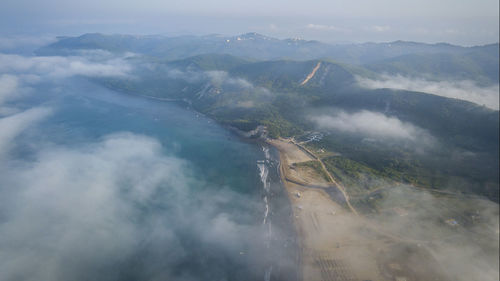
284,248
328,232
331,240
335,242
290,154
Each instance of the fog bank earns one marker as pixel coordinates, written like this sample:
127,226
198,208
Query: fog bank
464,90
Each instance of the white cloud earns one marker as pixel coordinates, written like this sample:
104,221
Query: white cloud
60,67
13,120
222,77
100,205
370,124
464,90
8,86
12,125
72,204
216,78
110,207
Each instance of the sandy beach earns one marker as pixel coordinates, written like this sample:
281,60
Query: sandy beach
336,243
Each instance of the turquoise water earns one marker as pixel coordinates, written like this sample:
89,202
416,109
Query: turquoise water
86,112
229,221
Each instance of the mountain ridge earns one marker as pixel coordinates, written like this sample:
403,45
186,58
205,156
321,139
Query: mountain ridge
247,45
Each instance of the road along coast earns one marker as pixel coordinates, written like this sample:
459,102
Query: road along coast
335,242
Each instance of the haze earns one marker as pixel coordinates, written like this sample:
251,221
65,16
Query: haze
459,22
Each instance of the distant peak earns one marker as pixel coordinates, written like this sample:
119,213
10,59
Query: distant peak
91,34
295,39
401,42
253,36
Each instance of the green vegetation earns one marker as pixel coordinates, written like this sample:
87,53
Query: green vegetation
355,175
479,64
363,164
270,94
316,166
221,62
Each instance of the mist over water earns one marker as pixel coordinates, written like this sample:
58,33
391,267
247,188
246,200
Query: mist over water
104,186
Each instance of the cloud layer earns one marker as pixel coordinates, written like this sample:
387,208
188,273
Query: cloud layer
464,90
12,125
370,124
73,211
468,251
119,207
8,86
61,67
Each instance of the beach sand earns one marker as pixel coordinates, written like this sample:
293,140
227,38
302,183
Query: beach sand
336,243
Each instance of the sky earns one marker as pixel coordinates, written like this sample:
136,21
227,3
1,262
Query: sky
463,22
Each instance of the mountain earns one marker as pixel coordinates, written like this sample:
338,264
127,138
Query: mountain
429,61
249,45
478,64
209,62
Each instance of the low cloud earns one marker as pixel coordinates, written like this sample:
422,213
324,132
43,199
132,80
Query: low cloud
61,67
437,232
370,124
12,125
326,27
120,208
218,78
464,90
13,120
8,86
71,204
115,208
460,232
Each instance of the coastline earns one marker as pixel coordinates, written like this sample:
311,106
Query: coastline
330,240
335,242
283,249
308,205
279,240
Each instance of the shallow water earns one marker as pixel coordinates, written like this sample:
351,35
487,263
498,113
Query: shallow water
233,182
86,112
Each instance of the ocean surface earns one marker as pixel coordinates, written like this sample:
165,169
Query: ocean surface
221,216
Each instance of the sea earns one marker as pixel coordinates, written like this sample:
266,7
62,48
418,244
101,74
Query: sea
223,215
